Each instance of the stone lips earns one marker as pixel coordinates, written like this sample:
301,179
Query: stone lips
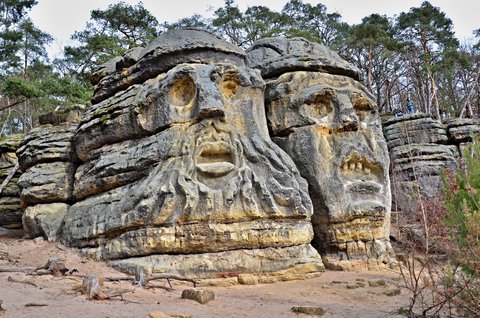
275,56
168,50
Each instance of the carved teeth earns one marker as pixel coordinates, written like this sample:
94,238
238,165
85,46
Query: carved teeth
356,164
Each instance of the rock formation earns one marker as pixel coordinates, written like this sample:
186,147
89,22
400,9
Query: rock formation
177,171
419,150
321,115
48,160
10,209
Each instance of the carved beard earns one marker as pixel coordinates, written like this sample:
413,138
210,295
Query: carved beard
246,178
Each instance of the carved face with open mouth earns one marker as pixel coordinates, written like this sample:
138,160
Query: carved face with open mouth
330,126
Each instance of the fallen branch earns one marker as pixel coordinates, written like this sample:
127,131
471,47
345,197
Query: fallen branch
35,305
92,287
9,177
27,282
16,269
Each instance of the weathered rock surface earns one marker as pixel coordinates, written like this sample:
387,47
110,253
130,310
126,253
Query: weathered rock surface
170,49
329,125
419,151
202,296
10,209
178,172
44,220
414,129
49,162
462,130
47,143
287,263
47,182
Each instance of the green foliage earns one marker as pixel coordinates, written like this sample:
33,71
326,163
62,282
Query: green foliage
109,33
19,87
462,200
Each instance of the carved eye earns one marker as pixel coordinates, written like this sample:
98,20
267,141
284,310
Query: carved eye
229,88
182,91
362,105
321,104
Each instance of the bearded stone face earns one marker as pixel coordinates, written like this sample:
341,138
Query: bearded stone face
198,172
330,126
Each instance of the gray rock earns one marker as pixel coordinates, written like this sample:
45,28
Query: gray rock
10,216
294,262
275,56
309,310
168,50
44,220
202,296
463,129
47,182
47,143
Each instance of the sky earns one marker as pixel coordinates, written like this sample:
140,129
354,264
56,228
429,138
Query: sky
61,18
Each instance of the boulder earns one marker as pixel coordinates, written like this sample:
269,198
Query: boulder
44,220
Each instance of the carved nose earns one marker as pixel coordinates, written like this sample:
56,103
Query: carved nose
346,119
210,104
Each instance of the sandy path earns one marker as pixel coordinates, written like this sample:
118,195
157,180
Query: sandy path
332,291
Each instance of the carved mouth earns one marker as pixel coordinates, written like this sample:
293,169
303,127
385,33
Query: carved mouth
362,178
215,159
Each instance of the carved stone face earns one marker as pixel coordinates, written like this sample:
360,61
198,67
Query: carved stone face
329,125
207,162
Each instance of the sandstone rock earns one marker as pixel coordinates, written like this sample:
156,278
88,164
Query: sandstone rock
414,129
47,144
10,216
275,56
202,296
44,220
329,125
247,279
62,114
462,129
177,166
10,209
168,50
292,262
10,143
157,314
309,310
47,182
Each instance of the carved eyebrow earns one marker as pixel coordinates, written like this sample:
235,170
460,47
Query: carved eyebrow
225,72
313,94
361,101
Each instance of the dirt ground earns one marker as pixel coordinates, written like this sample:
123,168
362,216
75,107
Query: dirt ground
340,294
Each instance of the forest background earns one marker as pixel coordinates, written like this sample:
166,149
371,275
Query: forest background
413,55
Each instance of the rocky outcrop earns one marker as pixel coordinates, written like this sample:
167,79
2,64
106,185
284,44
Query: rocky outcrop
49,162
10,209
328,123
177,172
420,149
461,132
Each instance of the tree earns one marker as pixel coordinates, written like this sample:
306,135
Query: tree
107,34
12,13
429,36
313,23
